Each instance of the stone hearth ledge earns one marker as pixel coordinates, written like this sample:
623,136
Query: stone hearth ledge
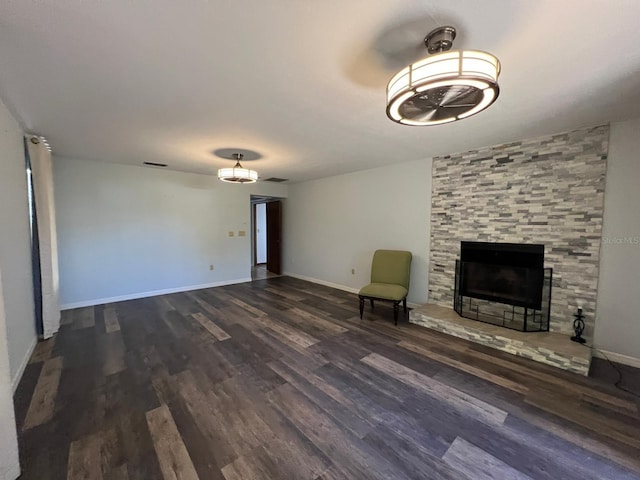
550,348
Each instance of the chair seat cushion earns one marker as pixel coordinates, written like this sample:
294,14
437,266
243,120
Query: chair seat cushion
384,291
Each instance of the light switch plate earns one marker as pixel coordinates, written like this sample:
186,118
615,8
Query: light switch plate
241,233
231,234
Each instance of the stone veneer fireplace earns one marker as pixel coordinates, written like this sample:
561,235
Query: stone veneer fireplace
548,190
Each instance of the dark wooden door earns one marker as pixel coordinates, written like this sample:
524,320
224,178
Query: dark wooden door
274,236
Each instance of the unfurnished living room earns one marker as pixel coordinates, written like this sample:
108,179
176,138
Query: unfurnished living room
249,240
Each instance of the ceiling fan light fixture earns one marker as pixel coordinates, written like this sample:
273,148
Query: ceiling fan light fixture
237,174
445,87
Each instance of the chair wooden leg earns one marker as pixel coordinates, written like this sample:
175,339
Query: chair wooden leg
395,312
371,300
361,307
404,304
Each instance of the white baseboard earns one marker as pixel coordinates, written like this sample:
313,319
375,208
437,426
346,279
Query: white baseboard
323,282
617,357
134,296
335,285
25,361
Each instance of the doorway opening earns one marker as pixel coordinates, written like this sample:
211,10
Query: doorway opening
266,235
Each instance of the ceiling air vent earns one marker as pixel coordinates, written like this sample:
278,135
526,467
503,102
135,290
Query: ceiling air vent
154,164
276,180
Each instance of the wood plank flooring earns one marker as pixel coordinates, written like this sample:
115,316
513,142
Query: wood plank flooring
280,379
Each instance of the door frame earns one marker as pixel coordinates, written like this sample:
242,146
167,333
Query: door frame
255,233
254,201
274,236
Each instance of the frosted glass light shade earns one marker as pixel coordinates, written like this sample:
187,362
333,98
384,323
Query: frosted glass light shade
237,174
443,88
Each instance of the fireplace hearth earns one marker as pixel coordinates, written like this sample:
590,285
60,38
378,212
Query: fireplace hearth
504,284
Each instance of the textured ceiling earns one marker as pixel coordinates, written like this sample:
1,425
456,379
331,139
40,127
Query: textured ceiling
300,83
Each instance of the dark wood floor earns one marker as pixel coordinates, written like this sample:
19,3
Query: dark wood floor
260,272
279,378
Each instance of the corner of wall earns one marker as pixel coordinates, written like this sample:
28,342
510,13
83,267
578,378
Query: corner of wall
17,376
15,241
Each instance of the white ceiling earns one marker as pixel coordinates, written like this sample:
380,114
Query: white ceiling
300,82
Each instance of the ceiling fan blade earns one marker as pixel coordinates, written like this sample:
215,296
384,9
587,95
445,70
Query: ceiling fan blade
456,94
425,116
458,105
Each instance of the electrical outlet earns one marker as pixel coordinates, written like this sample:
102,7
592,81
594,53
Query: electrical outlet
211,267
353,271
241,233
231,234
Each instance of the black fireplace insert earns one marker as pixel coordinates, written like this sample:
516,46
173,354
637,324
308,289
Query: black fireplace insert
503,272
510,274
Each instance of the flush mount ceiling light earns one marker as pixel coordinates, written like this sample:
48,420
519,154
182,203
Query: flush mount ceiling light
237,174
445,87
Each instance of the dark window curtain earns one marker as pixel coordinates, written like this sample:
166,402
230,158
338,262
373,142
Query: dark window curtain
35,245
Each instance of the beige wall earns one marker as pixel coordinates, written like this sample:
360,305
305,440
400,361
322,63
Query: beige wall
334,225
618,312
127,231
9,464
17,325
15,241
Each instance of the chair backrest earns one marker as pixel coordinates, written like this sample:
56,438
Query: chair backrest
391,266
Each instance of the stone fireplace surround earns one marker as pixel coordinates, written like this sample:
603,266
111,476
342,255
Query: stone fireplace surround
547,190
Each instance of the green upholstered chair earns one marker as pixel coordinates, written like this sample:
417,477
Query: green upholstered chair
390,273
